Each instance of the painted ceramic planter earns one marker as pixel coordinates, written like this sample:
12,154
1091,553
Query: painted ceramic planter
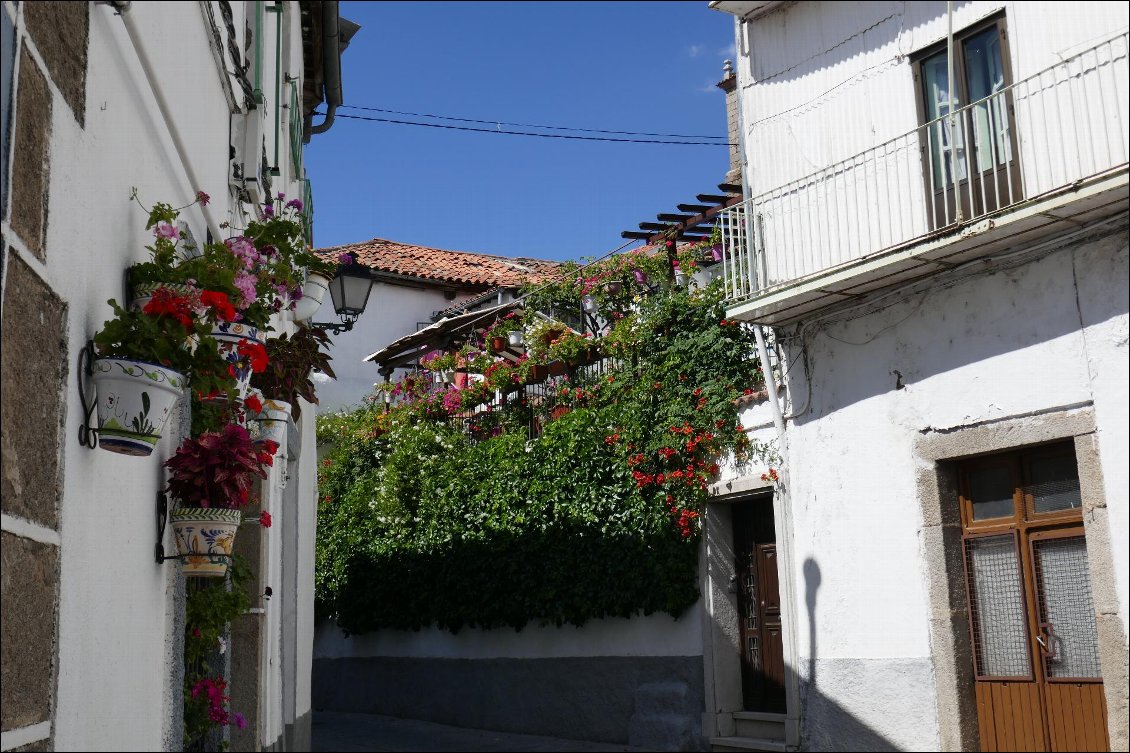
205,537
229,335
315,287
143,293
271,423
135,399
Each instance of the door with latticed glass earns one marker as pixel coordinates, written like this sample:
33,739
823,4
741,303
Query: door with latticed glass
1032,617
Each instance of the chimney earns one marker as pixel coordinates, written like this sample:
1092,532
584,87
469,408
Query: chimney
729,84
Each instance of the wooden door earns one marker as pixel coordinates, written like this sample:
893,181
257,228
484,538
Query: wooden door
1032,617
759,607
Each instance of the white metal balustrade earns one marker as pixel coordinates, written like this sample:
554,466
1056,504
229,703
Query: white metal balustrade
1063,125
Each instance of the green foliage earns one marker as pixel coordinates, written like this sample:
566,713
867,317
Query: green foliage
210,605
291,359
422,524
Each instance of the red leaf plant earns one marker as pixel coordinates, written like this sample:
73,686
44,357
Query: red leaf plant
216,469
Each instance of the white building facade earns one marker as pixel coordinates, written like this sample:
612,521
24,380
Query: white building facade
944,273
170,99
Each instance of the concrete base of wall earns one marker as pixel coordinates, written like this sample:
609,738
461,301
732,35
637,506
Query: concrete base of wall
652,702
869,704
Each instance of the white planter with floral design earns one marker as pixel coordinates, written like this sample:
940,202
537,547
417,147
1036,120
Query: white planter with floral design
143,292
229,336
135,399
205,537
271,423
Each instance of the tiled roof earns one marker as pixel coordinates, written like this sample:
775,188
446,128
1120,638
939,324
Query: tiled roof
438,265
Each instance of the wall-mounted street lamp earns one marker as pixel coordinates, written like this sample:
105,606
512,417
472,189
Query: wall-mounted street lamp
349,290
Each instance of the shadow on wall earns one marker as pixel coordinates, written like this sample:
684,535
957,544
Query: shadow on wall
977,320
826,724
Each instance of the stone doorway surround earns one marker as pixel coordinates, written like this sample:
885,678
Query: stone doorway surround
934,450
720,630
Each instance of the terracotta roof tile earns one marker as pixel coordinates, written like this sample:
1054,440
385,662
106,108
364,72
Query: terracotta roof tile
459,267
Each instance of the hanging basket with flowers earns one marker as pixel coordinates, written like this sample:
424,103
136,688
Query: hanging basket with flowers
211,480
144,360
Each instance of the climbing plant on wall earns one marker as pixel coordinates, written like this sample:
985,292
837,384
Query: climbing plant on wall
422,522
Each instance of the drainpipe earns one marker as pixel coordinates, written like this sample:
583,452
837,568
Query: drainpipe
950,85
277,9
259,99
782,498
331,64
137,39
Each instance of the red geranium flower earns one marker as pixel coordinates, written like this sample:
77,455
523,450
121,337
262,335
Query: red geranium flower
220,303
265,519
255,353
253,404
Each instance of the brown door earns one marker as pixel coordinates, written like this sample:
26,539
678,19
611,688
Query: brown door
759,607
1032,618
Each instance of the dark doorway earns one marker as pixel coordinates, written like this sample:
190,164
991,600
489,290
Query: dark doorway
759,606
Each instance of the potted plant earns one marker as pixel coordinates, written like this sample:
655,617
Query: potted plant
290,360
572,348
144,360
211,478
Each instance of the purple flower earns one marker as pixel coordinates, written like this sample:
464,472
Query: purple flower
239,720
296,294
280,196
295,204
165,230
246,285
268,210
203,198
345,258
268,250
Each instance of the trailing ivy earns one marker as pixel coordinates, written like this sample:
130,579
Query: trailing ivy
598,516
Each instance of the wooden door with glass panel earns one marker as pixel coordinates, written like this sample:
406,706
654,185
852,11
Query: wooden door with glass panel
759,607
970,161
1032,619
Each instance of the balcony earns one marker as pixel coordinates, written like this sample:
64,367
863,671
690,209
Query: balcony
1043,157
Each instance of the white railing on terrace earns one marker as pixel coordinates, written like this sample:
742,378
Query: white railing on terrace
1062,125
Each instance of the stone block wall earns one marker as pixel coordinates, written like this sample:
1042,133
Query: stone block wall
45,53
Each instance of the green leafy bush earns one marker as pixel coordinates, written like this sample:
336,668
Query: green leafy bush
419,524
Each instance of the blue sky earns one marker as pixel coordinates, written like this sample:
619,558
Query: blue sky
629,66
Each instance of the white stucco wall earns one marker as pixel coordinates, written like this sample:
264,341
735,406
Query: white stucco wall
653,635
1017,342
393,311
119,640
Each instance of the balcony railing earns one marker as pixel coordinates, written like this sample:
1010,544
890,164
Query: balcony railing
1062,125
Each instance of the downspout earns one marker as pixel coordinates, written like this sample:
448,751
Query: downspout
950,85
782,499
137,40
259,99
277,9
331,64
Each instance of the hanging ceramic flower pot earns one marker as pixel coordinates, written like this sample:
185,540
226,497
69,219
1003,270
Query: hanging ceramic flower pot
270,424
135,399
613,287
315,287
204,537
498,344
241,346
142,293
539,372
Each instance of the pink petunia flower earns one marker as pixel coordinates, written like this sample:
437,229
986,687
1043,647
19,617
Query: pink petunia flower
165,230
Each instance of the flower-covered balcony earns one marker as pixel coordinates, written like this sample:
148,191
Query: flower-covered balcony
1036,159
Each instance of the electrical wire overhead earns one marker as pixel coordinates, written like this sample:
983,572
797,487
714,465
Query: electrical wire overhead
499,123
527,133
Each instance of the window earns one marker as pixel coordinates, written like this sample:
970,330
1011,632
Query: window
969,157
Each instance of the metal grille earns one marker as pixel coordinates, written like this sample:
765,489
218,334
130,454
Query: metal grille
1052,496
1067,611
996,597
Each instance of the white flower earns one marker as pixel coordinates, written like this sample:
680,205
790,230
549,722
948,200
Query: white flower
223,645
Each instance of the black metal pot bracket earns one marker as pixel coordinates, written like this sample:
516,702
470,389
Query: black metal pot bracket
87,434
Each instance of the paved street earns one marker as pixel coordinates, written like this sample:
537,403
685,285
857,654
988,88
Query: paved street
333,731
